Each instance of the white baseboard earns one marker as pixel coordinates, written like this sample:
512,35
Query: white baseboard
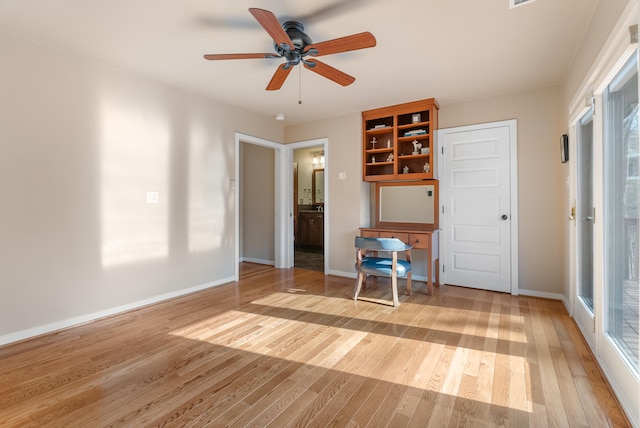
70,322
258,261
544,295
532,293
343,274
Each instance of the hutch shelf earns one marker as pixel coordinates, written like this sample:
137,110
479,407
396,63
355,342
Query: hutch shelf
398,141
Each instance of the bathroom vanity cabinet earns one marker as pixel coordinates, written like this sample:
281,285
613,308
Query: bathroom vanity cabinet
311,229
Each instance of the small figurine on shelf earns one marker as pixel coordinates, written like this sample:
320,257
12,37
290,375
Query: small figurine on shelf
373,143
388,143
426,168
373,159
390,157
405,170
416,146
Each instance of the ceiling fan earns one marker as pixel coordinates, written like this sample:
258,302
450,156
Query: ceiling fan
292,44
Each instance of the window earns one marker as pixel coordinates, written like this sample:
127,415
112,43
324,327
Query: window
621,185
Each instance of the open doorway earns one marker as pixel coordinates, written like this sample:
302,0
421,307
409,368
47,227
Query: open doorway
309,203
272,218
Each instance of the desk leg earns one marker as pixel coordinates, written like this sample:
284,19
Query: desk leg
429,274
437,262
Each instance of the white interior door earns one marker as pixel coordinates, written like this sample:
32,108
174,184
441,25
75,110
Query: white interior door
477,164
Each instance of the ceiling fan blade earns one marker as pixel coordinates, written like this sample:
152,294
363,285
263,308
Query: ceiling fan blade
336,8
240,56
344,44
271,25
279,77
329,72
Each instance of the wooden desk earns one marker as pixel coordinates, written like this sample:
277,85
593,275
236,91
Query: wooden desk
418,239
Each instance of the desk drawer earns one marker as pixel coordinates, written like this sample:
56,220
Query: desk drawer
404,237
420,240
369,234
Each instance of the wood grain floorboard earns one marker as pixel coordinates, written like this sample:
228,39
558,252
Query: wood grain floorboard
290,348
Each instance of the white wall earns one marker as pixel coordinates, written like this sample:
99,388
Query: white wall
257,190
603,20
80,144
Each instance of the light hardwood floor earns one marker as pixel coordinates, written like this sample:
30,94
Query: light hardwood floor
290,348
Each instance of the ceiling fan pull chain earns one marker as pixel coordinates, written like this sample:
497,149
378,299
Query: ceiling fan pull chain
299,85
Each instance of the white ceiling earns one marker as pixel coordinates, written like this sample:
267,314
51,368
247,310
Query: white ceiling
454,51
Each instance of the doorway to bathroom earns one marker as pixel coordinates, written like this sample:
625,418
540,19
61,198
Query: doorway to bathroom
309,202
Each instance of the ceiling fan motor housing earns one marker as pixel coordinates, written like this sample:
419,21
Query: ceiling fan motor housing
300,39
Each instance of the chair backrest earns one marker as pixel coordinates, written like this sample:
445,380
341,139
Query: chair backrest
381,244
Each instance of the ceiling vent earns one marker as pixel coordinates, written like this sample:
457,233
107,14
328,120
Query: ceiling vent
516,3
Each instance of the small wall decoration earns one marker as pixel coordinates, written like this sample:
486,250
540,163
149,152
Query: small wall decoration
564,148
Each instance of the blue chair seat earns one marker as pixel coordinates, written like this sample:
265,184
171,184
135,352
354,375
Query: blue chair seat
382,266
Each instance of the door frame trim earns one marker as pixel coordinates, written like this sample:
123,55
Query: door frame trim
512,124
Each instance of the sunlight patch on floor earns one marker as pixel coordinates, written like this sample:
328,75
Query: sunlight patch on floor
281,335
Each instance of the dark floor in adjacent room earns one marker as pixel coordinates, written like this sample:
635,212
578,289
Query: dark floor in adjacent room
309,259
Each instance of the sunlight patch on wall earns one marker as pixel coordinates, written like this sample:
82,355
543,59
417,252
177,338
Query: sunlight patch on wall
206,198
134,157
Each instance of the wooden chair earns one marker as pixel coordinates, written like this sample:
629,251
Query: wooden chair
391,267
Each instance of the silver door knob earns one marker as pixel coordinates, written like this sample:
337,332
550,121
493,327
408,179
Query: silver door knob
504,217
